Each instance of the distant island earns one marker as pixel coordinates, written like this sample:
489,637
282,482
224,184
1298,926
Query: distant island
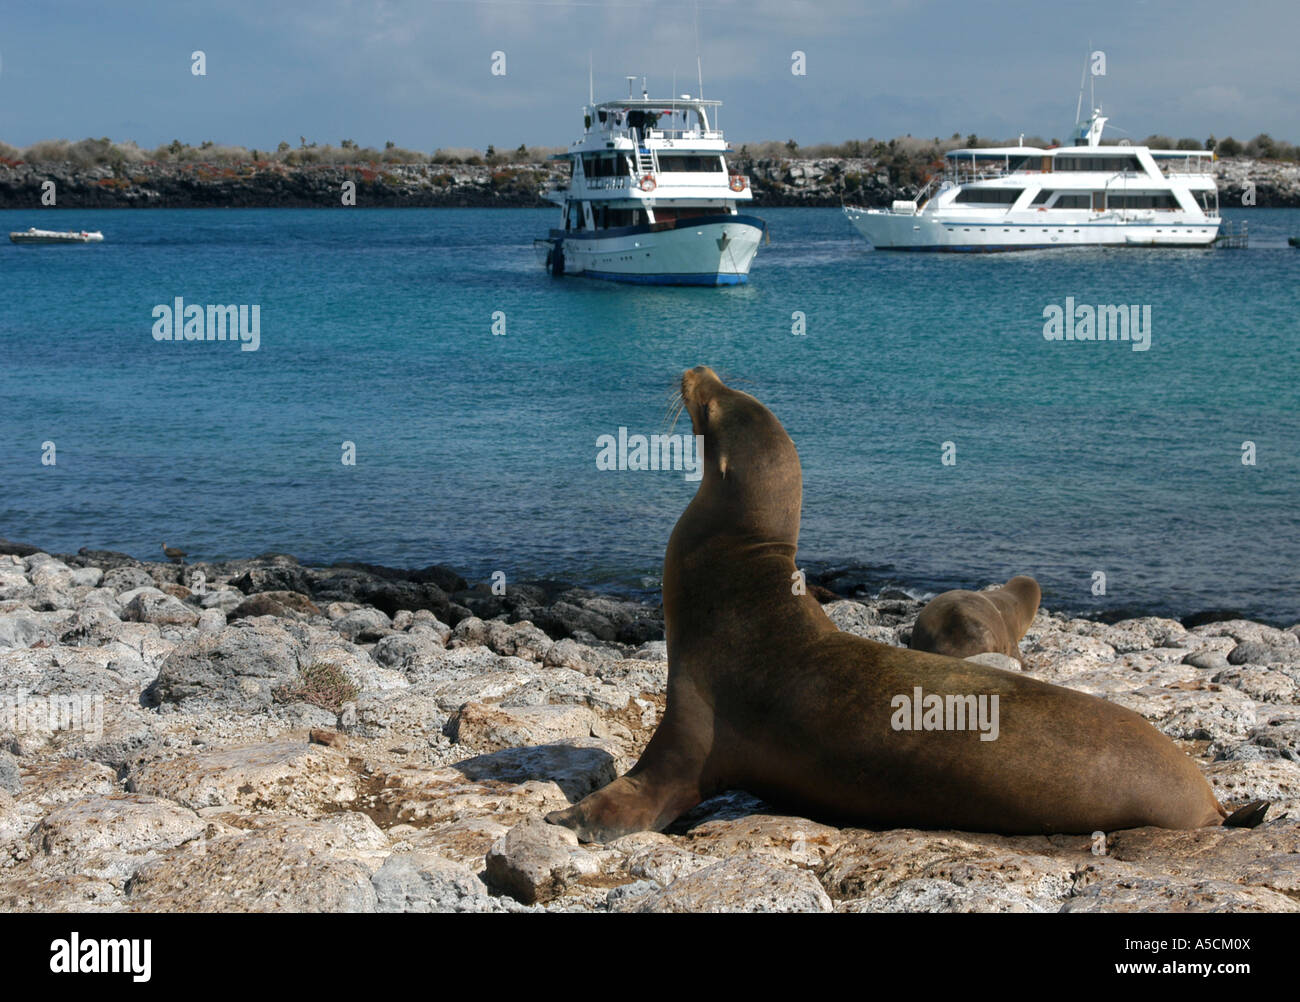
101,173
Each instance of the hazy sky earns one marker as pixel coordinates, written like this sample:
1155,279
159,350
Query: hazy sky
420,73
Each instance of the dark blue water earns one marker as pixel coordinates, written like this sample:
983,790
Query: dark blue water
478,451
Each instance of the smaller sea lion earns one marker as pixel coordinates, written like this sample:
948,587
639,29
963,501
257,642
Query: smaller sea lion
964,623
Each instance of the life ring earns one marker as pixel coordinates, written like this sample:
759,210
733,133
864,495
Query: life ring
738,182
648,182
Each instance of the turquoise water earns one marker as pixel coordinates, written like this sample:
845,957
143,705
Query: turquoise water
478,451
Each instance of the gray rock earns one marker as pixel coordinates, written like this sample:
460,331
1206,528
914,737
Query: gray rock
995,660
91,626
280,868
743,883
655,650
852,617
225,599
469,632
486,727
284,575
621,896
1130,892
237,669
423,882
400,650
284,604
124,579
112,836
211,621
86,577
11,780
19,629
568,620
1255,653
364,625
1209,660
149,606
536,861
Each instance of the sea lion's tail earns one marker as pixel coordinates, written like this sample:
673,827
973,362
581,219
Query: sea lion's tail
1249,816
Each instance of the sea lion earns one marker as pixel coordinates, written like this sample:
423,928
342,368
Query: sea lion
766,695
963,623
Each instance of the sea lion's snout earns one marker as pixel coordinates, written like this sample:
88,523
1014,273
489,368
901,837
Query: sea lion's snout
698,386
694,380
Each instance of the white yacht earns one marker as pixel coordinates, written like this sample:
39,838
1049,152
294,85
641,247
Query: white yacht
650,198
1088,194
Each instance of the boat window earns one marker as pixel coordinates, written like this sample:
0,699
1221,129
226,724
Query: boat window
989,196
692,164
1042,197
1143,200
1098,163
604,164
1074,202
608,218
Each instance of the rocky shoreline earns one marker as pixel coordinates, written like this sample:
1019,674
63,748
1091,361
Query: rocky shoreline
777,181
260,735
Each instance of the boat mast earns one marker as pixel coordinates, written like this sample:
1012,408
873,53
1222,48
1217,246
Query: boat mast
699,66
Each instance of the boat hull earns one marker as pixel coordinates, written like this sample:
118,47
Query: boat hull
35,236
920,232
712,251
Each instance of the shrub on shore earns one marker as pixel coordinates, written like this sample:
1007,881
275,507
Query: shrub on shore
908,159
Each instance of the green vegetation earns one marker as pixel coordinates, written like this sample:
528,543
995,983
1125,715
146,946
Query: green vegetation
99,152
903,151
908,159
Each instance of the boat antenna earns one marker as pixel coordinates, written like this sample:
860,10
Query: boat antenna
1092,87
699,66
631,82
591,80
1078,108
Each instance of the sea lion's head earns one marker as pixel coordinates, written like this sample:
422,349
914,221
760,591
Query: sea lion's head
751,467
1027,595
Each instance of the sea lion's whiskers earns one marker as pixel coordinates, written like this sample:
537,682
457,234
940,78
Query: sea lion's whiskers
674,411
674,415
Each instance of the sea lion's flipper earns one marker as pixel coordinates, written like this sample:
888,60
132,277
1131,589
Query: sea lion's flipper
1249,816
632,803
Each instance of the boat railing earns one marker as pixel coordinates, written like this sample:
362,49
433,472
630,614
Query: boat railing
1188,165
965,174
684,134
624,132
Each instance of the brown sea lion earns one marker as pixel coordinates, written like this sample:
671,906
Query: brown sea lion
766,695
963,623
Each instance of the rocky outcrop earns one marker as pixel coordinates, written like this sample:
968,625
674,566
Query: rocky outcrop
775,181
270,184
318,753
